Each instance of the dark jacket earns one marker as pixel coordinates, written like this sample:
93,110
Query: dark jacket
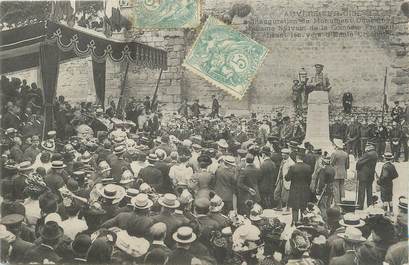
269,173
300,176
38,253
207,226
180,256
365,166
20,247
157,254
249,177
346,259
226,183
172,225
152,176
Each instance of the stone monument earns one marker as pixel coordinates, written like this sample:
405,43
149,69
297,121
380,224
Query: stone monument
317,132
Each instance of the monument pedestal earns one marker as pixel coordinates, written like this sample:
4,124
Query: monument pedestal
317,132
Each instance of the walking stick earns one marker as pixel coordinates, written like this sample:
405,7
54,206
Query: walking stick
322,194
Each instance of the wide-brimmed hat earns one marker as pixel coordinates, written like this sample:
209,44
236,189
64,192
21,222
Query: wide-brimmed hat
130,193
25,166
51,230
112,192
127,177
216,204
141,201
352,234
133,246
285,151
319,65
152,158
230,160
184,235
86,157
169,200
48,145
351,220
119,149
338,143
58,164
223,144
388,156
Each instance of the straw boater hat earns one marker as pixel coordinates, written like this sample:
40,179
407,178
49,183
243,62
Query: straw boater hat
120,149
130,193
230,160
58,164
141,201
25,166
48,145
112,192
169,200
388,156
127,177
152,158
351,220
184,235
352,234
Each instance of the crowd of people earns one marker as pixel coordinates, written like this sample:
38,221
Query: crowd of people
136,186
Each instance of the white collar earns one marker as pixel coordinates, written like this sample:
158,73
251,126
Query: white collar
179,211
158,242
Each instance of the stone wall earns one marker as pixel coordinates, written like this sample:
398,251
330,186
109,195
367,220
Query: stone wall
355,40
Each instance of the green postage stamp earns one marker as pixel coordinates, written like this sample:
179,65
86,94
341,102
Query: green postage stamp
225,57
166,14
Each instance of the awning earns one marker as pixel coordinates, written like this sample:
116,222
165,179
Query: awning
19,47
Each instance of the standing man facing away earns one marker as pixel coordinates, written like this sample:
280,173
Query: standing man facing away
215,107
365,167
340,162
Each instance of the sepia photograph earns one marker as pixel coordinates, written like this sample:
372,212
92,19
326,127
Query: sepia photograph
204,132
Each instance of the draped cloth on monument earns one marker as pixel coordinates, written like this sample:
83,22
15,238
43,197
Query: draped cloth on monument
45,44
318,121
49,66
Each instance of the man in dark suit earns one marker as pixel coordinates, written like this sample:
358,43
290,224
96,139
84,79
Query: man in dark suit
215,107
13,224
269,174
248,184
169,203
158,252
141,204
365,167
353,239
300,176
206,223
226,182
352,141
151,174
51,234
118,163
182,255
347,99
11,119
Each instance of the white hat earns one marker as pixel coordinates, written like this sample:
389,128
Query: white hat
352,234
184,235
339,143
